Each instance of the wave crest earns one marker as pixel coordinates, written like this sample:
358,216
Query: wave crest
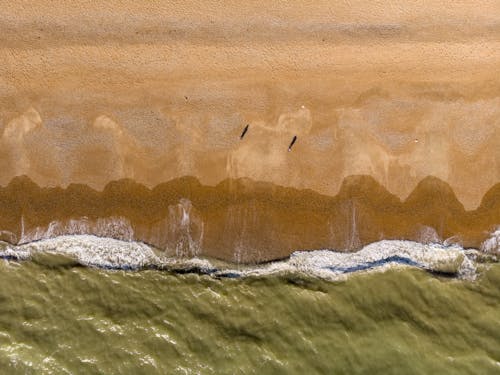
89,250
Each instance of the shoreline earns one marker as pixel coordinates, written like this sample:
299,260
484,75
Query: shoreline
327,264
244,221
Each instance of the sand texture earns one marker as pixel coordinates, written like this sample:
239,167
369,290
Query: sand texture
395,105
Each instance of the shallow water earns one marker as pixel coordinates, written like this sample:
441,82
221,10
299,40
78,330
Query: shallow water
60,317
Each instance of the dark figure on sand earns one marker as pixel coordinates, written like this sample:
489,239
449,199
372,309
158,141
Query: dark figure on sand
244,131
291,144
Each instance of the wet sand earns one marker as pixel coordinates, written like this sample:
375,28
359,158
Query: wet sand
245,221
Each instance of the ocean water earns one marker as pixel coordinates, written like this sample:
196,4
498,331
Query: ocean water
87,305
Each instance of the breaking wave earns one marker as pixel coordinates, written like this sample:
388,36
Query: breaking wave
108,253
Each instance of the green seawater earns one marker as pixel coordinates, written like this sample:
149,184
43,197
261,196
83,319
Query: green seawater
67,319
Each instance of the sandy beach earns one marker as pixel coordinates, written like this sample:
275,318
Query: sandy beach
152,93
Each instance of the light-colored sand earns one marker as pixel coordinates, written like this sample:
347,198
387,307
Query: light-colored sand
92,92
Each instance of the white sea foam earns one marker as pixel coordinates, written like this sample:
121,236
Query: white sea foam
114,226
110,253
96,251
380,255
492,244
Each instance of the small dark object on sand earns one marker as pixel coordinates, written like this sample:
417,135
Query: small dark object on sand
244,131
291,144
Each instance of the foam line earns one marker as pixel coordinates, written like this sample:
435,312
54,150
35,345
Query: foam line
110,253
